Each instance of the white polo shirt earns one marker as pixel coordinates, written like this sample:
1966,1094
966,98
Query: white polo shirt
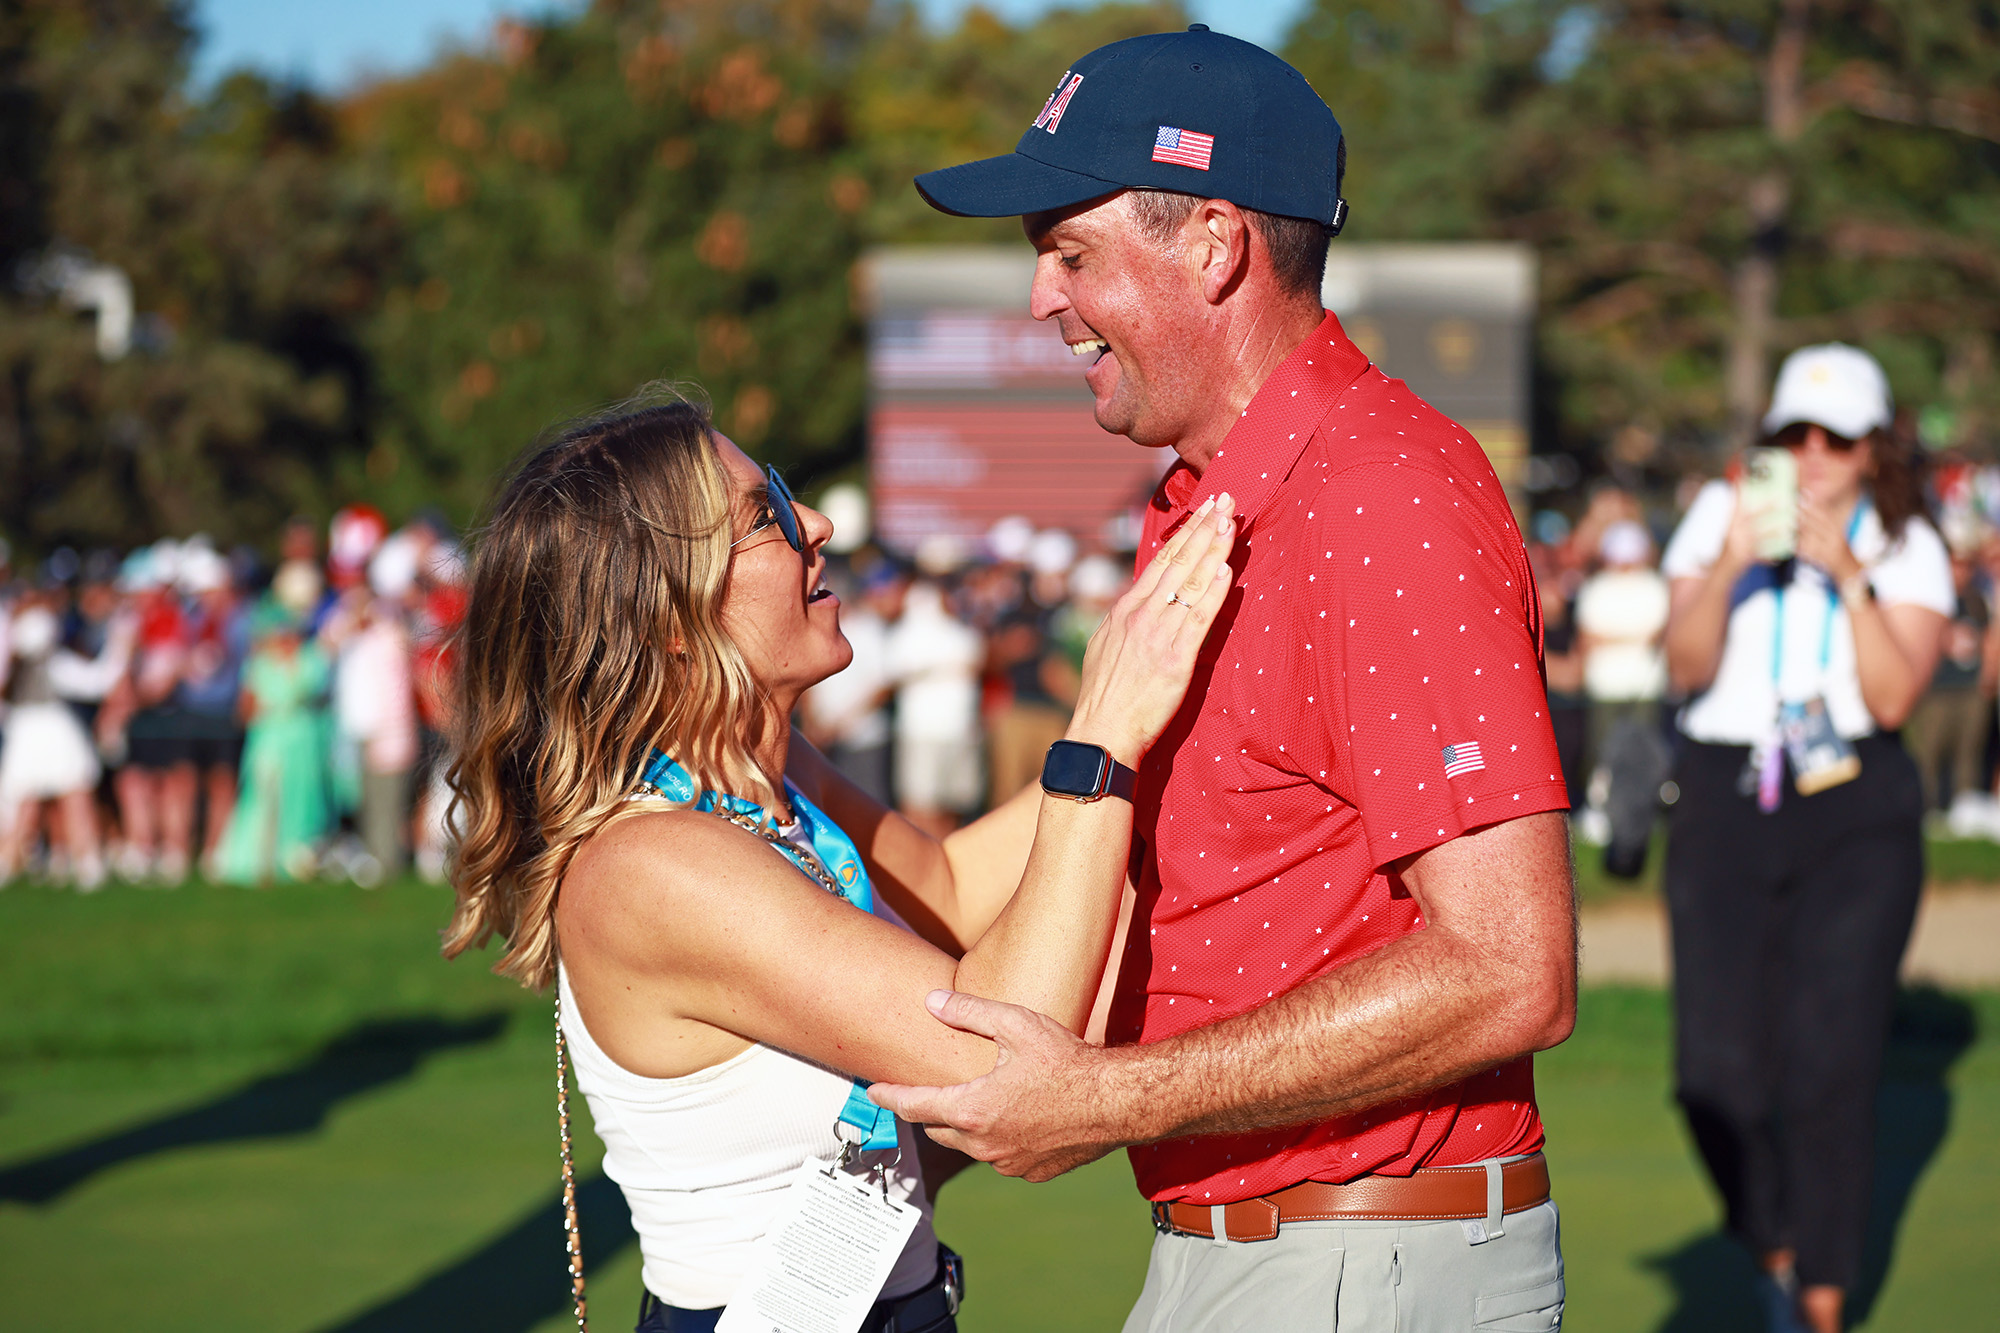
1741,706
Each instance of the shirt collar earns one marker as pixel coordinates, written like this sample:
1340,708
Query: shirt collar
1266,441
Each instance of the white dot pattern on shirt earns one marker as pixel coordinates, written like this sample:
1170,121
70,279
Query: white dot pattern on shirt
1284,728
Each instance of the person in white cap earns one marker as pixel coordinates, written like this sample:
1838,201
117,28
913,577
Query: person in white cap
1794,853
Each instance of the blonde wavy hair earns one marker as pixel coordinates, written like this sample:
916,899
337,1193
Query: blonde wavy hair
592,636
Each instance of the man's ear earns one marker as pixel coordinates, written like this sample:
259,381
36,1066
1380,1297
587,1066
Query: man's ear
1219,238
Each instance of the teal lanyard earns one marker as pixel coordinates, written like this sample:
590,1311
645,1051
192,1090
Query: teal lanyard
842,859
1825,626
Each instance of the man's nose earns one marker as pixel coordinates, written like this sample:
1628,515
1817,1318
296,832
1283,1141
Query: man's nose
1046,298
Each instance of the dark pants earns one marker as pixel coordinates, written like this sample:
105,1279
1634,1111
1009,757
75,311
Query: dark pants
657,1317
1788,929
1946,736
1569,719
925,1311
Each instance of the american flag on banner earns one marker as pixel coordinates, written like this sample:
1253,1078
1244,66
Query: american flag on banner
1183,147
1462,758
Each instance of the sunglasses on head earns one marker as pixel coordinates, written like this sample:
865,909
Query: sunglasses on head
1794,437
778,508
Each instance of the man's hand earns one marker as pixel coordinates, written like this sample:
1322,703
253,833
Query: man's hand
1036,1115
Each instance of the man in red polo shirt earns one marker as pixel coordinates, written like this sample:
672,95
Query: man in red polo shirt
1354,916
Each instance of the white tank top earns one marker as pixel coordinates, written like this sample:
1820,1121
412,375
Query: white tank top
704,1160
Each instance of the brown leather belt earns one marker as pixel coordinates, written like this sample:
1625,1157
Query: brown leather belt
1432,1194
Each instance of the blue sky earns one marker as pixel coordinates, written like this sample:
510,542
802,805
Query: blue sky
329,45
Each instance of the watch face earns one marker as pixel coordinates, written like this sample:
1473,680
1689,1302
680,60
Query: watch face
1072,768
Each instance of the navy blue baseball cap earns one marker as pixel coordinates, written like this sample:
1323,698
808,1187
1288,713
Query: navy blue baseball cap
1196,112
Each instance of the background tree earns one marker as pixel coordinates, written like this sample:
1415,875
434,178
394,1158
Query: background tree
1706,184
250,247
674,191
389,295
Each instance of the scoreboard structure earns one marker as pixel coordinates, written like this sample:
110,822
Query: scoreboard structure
978,411
1456,322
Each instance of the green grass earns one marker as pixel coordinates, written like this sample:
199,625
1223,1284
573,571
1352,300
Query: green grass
1962,861
279,1110
1946,861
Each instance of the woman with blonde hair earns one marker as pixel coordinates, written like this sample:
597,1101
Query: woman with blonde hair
740,938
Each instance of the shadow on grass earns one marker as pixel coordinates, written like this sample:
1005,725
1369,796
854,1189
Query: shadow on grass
294,1101
1912,1117
514,1282
1713,1275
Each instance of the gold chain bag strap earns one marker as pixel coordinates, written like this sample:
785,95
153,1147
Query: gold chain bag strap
572,1234
810,863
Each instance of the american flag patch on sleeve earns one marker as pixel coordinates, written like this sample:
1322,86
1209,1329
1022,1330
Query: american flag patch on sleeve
1462,758
1183,147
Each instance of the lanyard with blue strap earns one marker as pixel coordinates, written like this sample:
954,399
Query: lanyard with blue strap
1770,766
839,869
1832,605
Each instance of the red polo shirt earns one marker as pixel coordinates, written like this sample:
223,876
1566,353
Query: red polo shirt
1372,689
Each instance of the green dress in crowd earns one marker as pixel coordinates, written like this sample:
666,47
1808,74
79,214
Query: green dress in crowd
283,809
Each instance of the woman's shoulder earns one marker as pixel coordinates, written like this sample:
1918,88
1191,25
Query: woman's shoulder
655,841
1916,568
1918,541
655,858
1698,538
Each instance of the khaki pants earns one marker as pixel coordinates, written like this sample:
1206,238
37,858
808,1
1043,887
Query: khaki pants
1947,731
1021,737
385,818
1359,1277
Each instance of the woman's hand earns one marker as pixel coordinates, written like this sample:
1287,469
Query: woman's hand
1137,667
1823,540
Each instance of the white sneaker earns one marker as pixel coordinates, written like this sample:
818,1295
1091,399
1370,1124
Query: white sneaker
365,871
171,870
1973,814
1593,826
89,874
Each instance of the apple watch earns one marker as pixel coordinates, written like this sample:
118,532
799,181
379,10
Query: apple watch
1083,772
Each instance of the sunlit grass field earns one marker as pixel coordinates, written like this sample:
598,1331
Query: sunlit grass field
279,1110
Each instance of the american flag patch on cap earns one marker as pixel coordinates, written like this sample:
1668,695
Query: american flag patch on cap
1462,758
1183,147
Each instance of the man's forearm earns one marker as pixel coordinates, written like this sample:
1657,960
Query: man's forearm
1424,1012
1490,975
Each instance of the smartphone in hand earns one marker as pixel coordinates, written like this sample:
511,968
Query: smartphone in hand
1770,488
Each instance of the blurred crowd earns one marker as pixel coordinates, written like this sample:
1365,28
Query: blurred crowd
178,709
1604,606
966,666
